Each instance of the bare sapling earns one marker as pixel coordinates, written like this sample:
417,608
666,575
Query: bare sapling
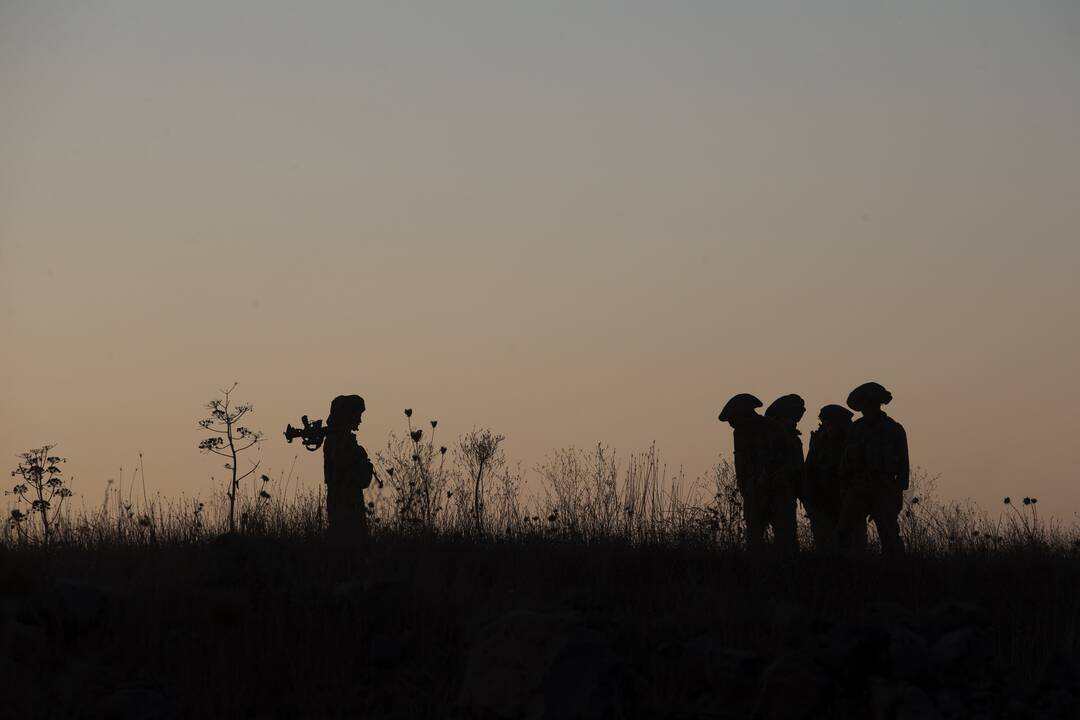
229,441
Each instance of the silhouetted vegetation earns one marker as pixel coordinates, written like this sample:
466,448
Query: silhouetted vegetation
230,440
615,589
41,490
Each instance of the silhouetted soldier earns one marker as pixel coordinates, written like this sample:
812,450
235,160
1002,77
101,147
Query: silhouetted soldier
762,472
823,490
346,469
875,470
787,411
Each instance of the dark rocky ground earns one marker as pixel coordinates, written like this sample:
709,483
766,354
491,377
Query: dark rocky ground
415,628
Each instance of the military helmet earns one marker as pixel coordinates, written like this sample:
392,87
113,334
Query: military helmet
835,413
739,406
870,393
787,407
344,406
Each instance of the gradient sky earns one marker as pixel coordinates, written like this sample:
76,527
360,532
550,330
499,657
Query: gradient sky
569,221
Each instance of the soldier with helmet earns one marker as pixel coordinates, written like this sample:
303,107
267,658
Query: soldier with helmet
787,411
347,469
875,468
823,491
762,472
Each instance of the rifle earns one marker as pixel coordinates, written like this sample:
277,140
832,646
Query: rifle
312,435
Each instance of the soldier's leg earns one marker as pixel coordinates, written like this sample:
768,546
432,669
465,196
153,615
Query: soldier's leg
885,511
345,513
754,520
333,508
352,514
851,522
860,538
782,519
822,526
362,520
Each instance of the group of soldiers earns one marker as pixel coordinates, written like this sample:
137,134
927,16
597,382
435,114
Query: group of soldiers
853,470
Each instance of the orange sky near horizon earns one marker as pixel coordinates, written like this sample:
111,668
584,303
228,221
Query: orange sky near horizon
570,222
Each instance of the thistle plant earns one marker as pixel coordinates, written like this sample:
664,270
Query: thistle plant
230,439
41,489
415,472
1024,523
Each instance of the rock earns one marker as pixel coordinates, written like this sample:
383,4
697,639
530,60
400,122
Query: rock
720,681
544,666
136,703
81,603
792,624
883,641
67,612
376,598
28,645
387,648
960,658
901,701
224,606
854,652
950,616
796,686
731,670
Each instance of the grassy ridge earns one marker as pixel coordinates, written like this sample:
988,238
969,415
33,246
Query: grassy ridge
295,626
615,592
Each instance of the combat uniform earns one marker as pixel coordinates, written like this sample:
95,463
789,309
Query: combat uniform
765,472
822,491
347,471
875,470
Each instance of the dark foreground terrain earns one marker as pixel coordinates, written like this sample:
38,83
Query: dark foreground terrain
422,627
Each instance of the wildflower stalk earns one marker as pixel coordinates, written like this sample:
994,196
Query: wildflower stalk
42,485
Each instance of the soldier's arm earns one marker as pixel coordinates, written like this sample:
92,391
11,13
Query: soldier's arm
810,467
742,469
847,461
350,458
903,470
801,474
797,468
